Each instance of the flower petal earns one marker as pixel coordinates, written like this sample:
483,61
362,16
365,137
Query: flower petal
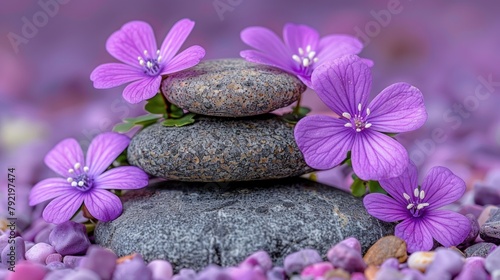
404,183
415,234
63,157
175,38
61,209
442,187
48,189
398,108
385,208
186,59
323,140
122,178
300,36
343,84
103,150
447,227
141,90
376,156
267,59
103,205
114,74
267,42
131,41
335,46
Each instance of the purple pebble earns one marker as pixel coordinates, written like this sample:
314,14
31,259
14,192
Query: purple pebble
317,269
276,273
473,269
260,258
447,263
72,261
347,258
296,262
69,238
56,266
161,270
39,252
28,270
185,274
58,274
391,263
55,257
473,209
246,273
43,235
492,262
133,269
412,274
13,252
474,232
213,272
388,273
352,243
100,260
358,276
83,274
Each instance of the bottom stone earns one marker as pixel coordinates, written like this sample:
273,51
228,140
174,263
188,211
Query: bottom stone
195,224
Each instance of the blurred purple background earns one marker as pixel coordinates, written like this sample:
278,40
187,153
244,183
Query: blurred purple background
450,50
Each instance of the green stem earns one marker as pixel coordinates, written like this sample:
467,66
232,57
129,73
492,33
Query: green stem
297,107
167,103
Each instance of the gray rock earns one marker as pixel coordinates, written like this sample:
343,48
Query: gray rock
232,88
490,231
219,150
481,249
195,224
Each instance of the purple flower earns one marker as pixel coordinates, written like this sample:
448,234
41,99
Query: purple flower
144,64
302,51
344,85
84,180
417,208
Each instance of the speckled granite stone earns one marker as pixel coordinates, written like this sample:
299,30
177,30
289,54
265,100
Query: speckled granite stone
490,231
219,150
195,224
232,88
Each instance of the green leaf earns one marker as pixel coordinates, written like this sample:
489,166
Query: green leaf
142,119
156,104
123,127
391,134
293,117
358,188
374,187
176,112
185,120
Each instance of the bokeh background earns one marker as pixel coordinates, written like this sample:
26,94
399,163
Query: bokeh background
448,49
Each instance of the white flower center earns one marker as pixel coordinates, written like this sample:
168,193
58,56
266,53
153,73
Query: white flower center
416,203
79,177
359,121
305,58
151,64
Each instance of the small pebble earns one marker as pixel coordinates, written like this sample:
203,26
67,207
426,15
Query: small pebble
391,263
160,269
69,238
385,248
413,274
473,233
358,276
352,243
246,273
296,262
485,214
481,249
447,264
490,230
28,270
260,258
371,272
72,261
83,274
420,260
317,269
9,256
213,272
100,260
386,273
473,209
337,274
53,258
39,252
276,273
56,266
185,274
486,194
492,262
347,258
43,235
473,269
28,245
132,269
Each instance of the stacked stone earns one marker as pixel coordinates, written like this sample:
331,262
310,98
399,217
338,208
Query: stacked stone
235,190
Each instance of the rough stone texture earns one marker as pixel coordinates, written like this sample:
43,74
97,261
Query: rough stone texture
194,224
481,249
490,231
232,88
219,150
385,248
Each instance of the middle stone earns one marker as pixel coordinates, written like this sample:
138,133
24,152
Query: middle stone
232,88
219,150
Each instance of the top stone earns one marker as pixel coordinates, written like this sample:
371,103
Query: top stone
232,88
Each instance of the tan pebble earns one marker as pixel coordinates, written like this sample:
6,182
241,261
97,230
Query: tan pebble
385,248
420,260
371,272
